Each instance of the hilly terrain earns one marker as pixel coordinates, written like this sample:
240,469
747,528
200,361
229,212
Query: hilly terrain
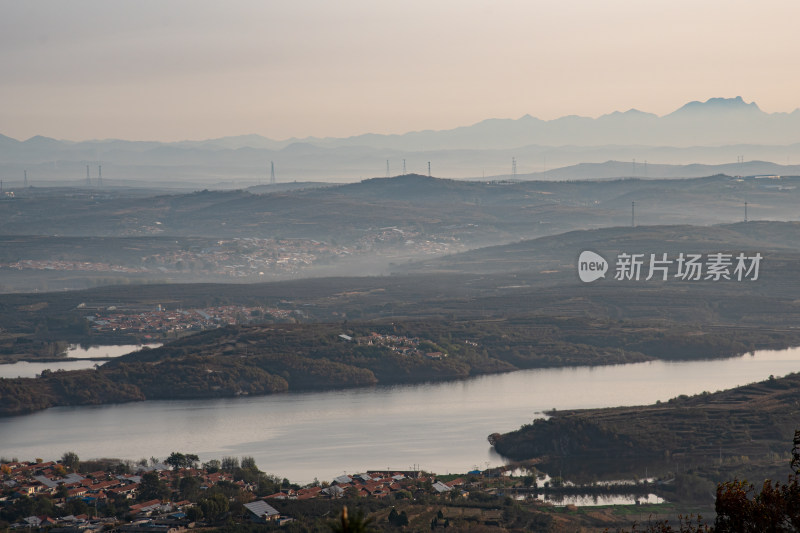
76,238
472,278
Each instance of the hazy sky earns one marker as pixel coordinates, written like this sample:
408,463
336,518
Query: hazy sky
196,69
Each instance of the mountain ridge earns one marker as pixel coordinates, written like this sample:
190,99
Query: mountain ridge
716,131
255,140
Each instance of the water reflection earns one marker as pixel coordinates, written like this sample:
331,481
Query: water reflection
93,352
441,427
77,358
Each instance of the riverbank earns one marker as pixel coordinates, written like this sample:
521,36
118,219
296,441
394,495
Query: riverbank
741,433
440,426
268,359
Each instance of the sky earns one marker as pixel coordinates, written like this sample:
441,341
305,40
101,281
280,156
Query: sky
200,69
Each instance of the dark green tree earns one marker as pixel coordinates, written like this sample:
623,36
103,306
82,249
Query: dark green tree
249,463
212,466
215,507
70,460
355,524
152,487
189,487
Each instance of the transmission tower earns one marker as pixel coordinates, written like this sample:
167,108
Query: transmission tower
25,174
513,168
88,179
404,167
272,173
387,168
429,169
99,175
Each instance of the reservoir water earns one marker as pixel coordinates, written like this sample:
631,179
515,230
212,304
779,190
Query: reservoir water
440,427
77,359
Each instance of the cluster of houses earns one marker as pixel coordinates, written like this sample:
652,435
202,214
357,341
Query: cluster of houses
397,343
18,479
162,321
250,256
374,484
51,479
70,266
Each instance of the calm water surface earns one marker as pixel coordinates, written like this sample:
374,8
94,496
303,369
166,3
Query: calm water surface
440,427
77,359
76,352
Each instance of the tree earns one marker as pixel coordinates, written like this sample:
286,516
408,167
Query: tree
188,487
191,460
741,509
70,460
354,524
230,463
212,466
175,460
215,507
76,506
775,508
178,460
249,463
151,487
194,513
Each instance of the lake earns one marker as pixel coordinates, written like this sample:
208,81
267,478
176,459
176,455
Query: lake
440,427
77,359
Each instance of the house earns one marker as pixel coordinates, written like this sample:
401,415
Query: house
145,507
440,487
262,511
334,491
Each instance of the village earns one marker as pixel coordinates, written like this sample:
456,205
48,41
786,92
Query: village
161,321
400,344
250,258
179,493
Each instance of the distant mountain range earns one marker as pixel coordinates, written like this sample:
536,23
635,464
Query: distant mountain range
717,131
